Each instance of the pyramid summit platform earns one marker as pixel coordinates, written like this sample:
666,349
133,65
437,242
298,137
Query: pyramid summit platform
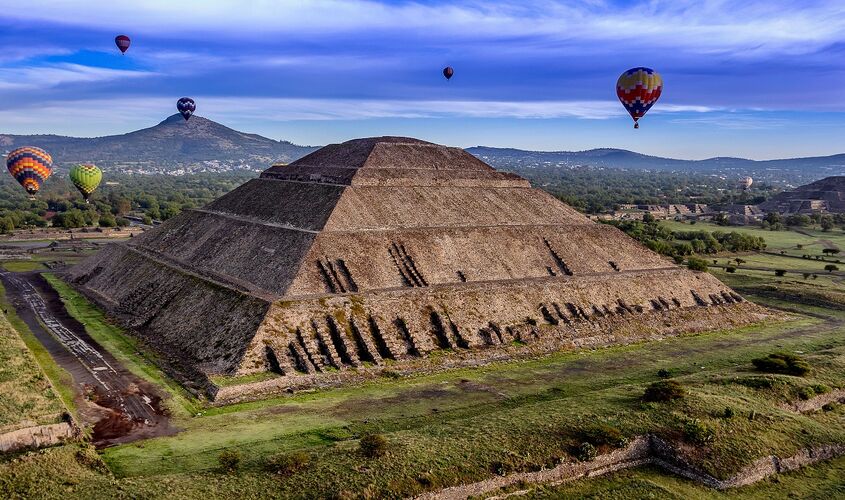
383,251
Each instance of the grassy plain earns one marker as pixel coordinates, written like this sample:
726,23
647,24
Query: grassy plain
26,396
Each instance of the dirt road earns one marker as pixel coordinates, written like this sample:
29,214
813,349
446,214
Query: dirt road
120,406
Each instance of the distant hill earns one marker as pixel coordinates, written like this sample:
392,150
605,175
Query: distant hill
792,170
173,146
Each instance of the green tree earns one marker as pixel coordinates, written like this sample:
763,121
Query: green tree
107,220
7,225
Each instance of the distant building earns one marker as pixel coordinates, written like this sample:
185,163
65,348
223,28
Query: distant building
744,214
825,195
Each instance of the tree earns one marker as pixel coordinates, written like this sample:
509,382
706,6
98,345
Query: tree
147,220
7,225
830,251
827,223
648,218
71,219
107,220
831,267
697,264
123,222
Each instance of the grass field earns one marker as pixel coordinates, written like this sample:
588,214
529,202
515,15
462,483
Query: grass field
812,242
26,396
60,379
469,424
22,266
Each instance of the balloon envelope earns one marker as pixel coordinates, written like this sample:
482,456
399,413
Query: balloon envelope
186,107
86,178
638,89
448,72
122,42
30,166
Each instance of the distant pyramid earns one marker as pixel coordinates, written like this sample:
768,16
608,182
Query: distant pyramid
826,194
391,248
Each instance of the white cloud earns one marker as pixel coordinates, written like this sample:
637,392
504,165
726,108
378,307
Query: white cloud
32,77
704,26
111,116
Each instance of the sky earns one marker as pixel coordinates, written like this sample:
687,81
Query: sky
756,79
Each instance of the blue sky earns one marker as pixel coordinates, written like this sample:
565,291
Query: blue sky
758,79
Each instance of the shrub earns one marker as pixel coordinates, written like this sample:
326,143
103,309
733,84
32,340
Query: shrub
695,431
806,393
663,390
728,413
829,406
788,364
780,272
229,460
664,373
603,434
373,445
821,389
730,269
696,264
287,463
585,452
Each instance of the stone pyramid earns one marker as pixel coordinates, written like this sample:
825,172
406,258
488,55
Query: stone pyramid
383,250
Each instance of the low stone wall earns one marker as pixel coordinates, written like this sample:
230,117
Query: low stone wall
813,404
36,437
642,450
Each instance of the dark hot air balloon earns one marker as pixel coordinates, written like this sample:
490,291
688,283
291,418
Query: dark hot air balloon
186,107
122,42
448,72
639,89
30,166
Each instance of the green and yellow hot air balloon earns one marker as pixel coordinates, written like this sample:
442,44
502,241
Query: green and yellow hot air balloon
86,178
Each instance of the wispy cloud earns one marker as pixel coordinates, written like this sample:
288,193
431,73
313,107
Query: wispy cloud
35,77
704,26
283,110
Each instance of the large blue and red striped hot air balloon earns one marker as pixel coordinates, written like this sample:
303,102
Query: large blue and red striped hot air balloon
122,42
30,167
638,89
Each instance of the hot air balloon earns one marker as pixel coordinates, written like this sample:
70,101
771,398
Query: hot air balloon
448,72
86,178
639,89
186,106
122,42
745,183
30,166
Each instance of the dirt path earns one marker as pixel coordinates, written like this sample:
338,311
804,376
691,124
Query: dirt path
120,406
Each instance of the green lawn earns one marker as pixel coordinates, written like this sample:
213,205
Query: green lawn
775,240
61,381
22,266
26,396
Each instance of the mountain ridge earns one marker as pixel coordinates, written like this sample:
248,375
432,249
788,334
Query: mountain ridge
171,146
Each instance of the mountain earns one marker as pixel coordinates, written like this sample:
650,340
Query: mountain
790,170
173,146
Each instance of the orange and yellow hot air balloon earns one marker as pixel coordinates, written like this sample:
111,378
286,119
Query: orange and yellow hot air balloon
30,166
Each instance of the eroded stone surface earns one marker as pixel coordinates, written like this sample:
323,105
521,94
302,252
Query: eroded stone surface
388,249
